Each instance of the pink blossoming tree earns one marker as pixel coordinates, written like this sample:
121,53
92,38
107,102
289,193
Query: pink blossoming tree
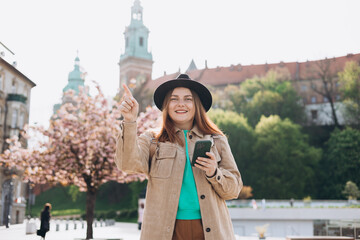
78,147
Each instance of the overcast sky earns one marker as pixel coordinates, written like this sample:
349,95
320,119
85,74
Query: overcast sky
46,34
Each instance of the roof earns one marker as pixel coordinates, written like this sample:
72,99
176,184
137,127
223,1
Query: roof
17,72
192,66
236,74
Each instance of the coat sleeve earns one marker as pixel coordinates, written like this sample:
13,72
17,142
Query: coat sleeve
132,152
227,181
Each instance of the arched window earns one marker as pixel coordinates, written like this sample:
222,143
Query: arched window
141,41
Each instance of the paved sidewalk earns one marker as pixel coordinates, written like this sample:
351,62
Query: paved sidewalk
124,231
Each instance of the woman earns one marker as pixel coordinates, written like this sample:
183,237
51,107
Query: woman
182,202
45,220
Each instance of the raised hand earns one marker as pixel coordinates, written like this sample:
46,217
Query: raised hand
129,107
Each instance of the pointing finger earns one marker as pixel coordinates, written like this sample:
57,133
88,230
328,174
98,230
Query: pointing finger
127,90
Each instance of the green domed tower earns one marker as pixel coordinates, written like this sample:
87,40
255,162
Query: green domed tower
76,78
136,62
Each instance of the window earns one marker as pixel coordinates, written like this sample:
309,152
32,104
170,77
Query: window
338,97
25,91
127,42
325,85
303,87
21,120
313,86
1,80
314,114
313,99
13,87
14,118
304,100
141,41
326,99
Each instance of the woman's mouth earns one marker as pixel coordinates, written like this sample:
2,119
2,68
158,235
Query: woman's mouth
181,111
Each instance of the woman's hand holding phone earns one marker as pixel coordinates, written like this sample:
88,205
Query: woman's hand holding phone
209,165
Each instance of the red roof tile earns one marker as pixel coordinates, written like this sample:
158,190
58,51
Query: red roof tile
237,73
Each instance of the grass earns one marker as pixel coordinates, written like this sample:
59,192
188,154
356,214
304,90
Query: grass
111,197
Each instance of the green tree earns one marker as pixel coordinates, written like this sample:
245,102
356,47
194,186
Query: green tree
283,164
340,163
351,190
349,80
240,136
272,94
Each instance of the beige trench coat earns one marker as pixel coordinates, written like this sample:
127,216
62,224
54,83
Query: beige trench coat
165,179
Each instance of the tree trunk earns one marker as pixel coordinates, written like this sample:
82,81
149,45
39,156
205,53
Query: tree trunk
333,112
90,207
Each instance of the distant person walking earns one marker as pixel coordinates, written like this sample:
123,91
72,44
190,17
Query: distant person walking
45,221
183,202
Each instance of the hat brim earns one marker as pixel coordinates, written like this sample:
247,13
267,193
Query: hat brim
203,93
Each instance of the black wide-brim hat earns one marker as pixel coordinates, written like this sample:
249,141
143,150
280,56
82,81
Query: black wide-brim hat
183,80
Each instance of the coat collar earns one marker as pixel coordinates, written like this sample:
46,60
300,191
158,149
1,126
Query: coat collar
195,130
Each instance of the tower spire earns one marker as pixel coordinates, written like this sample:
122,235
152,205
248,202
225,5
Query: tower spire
136,11
136,35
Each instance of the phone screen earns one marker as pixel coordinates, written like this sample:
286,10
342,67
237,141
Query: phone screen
201,147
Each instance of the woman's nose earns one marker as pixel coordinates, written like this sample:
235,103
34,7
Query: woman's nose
181,102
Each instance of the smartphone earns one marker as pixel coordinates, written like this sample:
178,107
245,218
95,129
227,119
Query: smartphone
201,147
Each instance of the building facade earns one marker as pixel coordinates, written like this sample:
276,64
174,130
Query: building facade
311,80
15,92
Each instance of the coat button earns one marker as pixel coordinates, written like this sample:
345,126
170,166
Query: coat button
208,229
218,177
202,196
190,136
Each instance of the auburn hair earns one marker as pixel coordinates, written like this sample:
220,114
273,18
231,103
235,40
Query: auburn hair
202,121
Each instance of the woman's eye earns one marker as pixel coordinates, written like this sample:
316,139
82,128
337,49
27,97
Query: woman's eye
188,99
173,99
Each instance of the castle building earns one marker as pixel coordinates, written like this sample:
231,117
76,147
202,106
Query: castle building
15,90
307,78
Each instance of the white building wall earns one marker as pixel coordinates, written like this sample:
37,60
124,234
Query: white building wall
324,115
286,221
277,228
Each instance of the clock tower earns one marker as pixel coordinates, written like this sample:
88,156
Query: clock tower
136,62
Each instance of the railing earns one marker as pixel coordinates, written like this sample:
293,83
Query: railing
16,97
273,203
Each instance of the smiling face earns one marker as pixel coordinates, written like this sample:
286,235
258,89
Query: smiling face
181,108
